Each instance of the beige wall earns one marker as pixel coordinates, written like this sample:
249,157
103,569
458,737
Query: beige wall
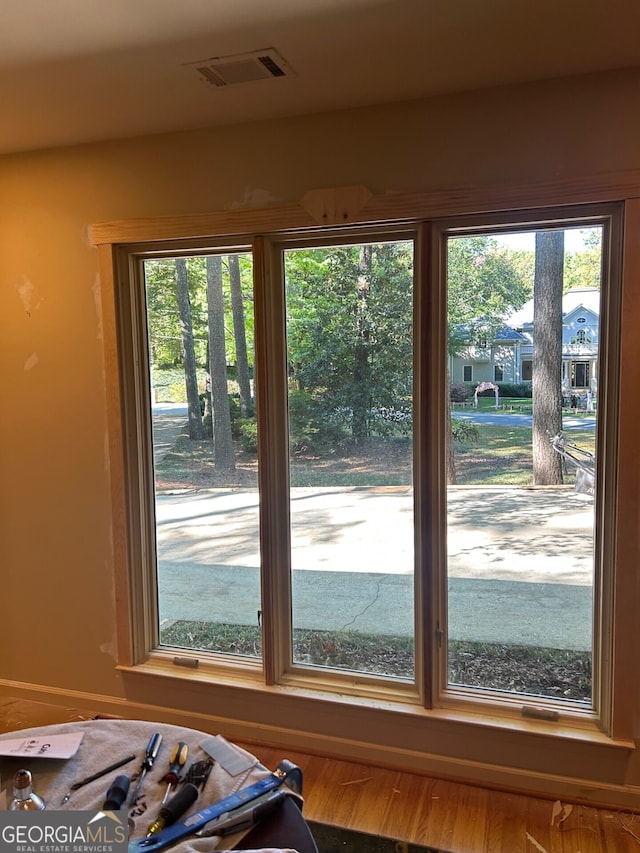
57,602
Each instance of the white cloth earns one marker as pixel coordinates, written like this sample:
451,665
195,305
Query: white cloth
105,742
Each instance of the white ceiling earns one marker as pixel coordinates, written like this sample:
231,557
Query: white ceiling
76,71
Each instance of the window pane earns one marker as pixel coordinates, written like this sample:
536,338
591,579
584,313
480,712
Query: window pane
200,344
521,487
350,351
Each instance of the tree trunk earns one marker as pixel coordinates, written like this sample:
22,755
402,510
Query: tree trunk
361,350
240,336
223,450
450,459
188,351
547,356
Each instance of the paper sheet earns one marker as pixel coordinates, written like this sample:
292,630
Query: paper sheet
54,746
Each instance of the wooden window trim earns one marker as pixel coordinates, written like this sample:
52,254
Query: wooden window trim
116,240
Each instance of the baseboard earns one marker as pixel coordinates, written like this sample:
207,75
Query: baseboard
510,780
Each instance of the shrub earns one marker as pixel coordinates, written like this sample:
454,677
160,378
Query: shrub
514,389
463,431
311,427
459,392
248,434
234,411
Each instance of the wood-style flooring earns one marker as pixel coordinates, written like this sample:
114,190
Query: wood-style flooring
416,809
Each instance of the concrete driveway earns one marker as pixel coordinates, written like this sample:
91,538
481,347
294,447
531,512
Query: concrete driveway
520,561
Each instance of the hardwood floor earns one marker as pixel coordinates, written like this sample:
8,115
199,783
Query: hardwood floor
416,809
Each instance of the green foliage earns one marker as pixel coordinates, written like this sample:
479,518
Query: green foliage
463,431
584,269
247,433
349,337
462,391
168,384
312,428
514,389
165,339
244,430
484,286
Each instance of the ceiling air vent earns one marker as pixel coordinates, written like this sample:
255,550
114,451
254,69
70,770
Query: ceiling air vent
242,67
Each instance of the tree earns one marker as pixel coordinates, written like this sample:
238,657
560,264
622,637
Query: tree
361,389
547,356
485,283
584,268
240,336
188,351
223,450
349,335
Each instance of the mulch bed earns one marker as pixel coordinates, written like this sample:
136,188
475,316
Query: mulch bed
554,673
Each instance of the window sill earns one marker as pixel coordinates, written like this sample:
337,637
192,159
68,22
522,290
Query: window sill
330,697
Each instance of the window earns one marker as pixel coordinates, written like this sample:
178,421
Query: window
503,540
200,344
322,520
349,322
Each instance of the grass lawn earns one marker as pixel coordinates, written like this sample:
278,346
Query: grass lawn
503,456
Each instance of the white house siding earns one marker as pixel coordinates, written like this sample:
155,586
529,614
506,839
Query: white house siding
580,357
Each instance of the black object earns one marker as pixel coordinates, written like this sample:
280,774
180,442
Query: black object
286,827
117,793
335,839
199,772
95,776
174,809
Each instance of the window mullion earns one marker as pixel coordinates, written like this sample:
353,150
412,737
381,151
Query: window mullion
271,395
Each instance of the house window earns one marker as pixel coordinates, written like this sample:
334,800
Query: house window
499,637
349,340
201,354
319,519
498,373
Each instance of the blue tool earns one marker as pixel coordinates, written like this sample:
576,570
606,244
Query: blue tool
244,817
286,773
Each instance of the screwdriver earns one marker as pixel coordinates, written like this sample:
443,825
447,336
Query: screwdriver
176,763
147,763
174,809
